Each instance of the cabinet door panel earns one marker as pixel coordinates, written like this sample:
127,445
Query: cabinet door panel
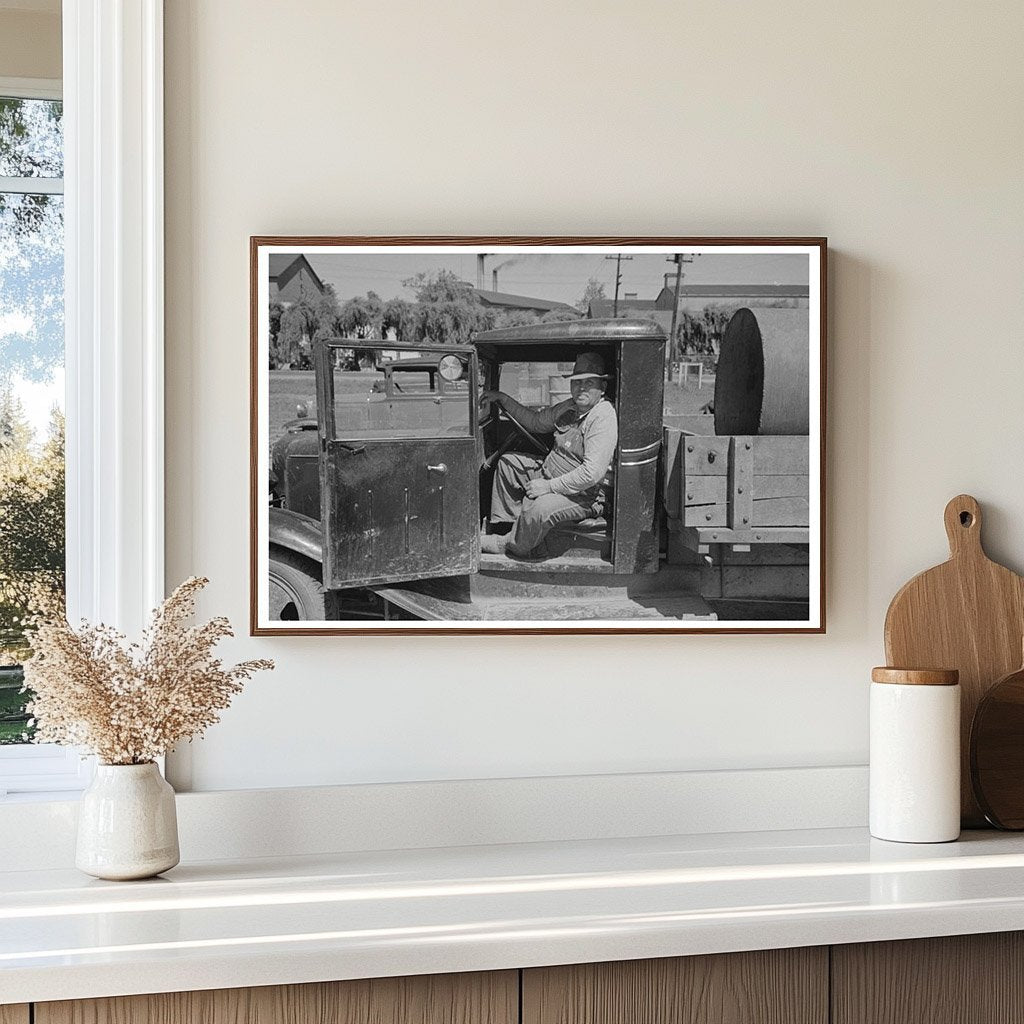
778,986
14,1014
482,998
960,979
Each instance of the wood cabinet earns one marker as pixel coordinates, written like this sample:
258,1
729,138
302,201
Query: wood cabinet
961,979
480,998
775,986
967,979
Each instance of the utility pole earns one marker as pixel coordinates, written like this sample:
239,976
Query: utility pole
618,257
679,259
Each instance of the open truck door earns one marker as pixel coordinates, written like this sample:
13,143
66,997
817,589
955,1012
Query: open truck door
399,494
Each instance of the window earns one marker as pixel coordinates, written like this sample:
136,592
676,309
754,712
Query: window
31,381
32,530
538,384
113,332
399,403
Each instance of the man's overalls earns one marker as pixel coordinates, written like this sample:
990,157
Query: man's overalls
534,517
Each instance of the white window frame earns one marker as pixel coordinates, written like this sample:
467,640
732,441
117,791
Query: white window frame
114,345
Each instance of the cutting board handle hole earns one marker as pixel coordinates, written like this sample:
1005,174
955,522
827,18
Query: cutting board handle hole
966,519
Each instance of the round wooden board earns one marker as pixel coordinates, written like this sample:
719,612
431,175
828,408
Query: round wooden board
997,752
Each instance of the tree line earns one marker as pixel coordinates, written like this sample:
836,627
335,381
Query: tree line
444,310
32,573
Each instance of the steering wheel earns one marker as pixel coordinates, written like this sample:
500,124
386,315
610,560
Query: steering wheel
511,439
532,438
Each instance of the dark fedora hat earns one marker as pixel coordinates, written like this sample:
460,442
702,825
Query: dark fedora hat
588,364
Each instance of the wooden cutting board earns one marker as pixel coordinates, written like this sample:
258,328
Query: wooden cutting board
967,614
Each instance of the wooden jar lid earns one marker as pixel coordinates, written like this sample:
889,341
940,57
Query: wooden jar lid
916,676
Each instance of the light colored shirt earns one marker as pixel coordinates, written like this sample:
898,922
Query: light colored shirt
599,431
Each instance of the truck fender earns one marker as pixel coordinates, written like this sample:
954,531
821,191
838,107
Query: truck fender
296,532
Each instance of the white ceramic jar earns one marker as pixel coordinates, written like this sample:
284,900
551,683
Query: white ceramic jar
915,755
127,823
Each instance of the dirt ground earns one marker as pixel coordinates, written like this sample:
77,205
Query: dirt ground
289,387
687,400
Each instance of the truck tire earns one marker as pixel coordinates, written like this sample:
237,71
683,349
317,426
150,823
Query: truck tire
296,588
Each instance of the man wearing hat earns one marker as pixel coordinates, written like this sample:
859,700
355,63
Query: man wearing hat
573,482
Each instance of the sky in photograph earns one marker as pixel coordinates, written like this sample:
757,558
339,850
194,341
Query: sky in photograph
560,277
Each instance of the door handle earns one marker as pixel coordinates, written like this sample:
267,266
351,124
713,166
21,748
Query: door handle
439,468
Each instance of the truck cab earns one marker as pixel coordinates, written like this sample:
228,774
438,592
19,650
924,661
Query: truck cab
530,363
393,486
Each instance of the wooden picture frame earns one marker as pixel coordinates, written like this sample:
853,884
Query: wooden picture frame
380,495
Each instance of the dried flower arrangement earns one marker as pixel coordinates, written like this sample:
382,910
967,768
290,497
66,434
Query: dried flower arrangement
130,703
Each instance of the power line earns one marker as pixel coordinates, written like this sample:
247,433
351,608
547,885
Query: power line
618,257
678,259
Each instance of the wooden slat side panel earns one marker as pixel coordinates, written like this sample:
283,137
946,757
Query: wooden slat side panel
706,515
962,979
781,456
672,471
14,1014
705,490
741,483
788,486
781,512
760,512
705,456
782,986
478,998
698,535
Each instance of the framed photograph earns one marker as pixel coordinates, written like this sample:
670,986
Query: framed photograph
537,435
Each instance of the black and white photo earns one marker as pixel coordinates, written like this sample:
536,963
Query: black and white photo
541,435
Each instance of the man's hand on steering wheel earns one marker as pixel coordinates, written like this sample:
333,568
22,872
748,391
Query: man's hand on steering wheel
487,400
535,443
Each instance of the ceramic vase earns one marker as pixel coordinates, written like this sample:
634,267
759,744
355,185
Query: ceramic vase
127,825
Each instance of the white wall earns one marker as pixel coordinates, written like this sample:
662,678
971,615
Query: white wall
895,129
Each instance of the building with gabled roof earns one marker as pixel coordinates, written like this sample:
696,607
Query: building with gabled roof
292,277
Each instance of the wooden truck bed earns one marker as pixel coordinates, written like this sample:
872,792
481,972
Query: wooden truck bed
739,508
736,490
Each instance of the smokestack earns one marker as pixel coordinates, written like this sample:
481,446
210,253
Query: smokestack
480,271
494,279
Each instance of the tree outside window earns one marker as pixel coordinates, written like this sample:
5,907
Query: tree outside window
31,386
